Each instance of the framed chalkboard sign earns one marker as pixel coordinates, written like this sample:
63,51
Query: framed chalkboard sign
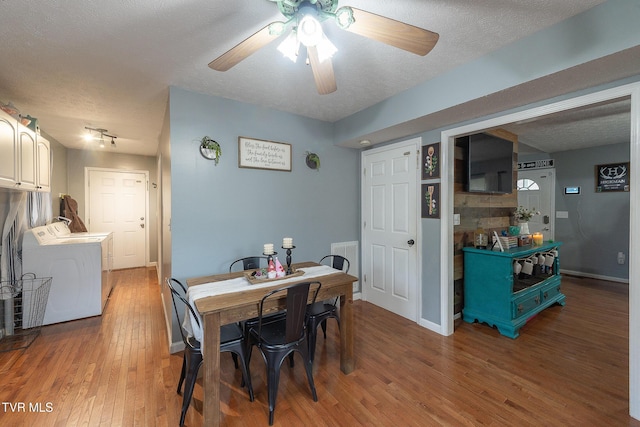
612,177
260,154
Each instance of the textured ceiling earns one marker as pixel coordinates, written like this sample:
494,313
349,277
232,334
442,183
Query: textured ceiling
84,63
594,125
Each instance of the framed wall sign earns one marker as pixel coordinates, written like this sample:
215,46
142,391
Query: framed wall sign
431,161
260,154
612,177
431,200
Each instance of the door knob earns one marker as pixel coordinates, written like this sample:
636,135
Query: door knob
411,242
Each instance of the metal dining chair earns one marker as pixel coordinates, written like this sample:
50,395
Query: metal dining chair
319,312
231,340
249,263
281,338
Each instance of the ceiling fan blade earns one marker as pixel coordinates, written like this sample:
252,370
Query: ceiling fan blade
243,49
395,33
322,72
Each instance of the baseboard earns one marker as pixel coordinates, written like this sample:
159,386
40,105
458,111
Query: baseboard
357,296
594,276
431,326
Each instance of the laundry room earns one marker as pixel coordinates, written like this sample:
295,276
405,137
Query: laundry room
32,220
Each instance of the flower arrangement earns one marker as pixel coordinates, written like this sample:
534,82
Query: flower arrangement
522,214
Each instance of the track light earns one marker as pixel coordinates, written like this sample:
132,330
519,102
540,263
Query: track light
101,133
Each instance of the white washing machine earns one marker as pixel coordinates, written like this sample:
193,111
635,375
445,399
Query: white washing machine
79,266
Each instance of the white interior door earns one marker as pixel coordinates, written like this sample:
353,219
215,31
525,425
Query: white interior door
117,202
389,197
536,190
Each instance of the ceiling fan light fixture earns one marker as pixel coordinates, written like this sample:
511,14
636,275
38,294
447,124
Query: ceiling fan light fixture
309,31
326,49
290,46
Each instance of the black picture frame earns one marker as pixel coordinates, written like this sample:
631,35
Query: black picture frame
430,164
430,200
612,177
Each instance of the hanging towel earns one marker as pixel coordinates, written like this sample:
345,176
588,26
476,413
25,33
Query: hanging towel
71,212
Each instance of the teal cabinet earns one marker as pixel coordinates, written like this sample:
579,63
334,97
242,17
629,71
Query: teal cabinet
495,294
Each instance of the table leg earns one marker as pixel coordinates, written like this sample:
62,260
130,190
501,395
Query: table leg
347,359
211,362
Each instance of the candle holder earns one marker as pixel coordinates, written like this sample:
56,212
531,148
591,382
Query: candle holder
270,256
289,271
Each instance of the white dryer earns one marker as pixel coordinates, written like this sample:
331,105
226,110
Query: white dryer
78,265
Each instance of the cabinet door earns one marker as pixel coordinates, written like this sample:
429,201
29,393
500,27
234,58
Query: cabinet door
27,158
43,164
8,150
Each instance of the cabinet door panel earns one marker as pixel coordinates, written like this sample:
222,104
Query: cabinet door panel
27,147
8,151
43,163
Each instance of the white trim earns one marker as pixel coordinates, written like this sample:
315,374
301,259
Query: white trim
430,325
415,144
594,276
446,278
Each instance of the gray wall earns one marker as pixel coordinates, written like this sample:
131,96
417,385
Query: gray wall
77,160
598,224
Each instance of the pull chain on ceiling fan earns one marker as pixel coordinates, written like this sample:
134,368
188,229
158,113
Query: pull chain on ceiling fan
306,17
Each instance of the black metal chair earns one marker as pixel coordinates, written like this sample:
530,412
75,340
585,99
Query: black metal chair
249,263
319,312
281,338
253,263
231,340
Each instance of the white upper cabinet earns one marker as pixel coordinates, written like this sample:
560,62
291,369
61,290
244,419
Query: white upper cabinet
8,150
27,150
43,165
25,158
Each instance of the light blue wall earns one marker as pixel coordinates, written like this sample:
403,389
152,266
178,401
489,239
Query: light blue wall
220,213
598,224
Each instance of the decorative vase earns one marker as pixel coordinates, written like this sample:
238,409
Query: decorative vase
524,227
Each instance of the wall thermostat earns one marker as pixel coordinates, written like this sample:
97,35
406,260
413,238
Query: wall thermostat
571,190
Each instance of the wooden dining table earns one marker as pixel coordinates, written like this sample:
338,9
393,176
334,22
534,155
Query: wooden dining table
222,309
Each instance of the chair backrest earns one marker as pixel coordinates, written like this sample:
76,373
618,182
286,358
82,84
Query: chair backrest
249,263
337,261
296,296
175,294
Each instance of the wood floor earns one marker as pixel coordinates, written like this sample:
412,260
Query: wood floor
569,367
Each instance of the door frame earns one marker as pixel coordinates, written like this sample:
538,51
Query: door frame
413,144
631,90
89,169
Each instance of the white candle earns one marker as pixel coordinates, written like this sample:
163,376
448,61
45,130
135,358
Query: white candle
268,248
287,242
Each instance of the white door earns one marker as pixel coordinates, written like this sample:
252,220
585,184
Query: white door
117,202
389,254
536,190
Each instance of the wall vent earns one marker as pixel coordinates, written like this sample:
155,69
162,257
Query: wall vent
350,251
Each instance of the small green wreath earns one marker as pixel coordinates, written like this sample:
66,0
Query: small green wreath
312,160
210,149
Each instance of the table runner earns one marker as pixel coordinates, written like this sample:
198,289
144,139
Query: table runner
237,285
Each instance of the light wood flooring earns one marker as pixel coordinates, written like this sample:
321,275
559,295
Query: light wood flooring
569,367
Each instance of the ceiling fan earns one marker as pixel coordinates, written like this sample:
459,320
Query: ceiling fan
304,17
